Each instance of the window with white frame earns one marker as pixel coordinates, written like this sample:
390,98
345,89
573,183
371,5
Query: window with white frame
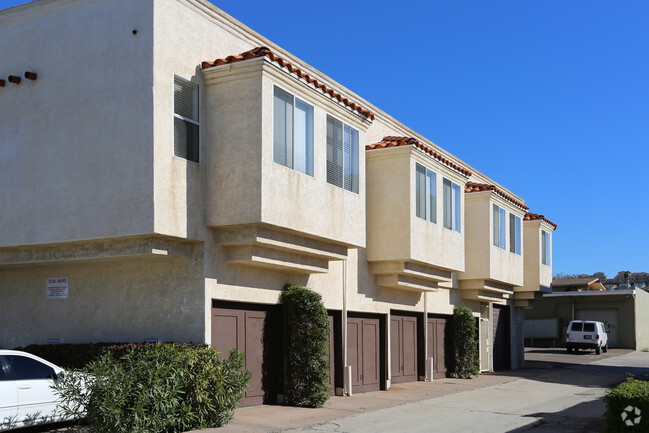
545,247
452,200
514,234
426,192
342,155
499,227
292,132
185,119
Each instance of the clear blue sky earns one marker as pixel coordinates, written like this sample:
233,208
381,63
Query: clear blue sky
549,98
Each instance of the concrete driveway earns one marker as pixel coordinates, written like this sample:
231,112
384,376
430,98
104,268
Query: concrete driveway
561,393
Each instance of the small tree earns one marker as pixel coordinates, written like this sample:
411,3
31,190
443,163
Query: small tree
307,341
466,344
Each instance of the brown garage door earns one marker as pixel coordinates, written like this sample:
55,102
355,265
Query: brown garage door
501,341
437,345
363,353
403,348
243,329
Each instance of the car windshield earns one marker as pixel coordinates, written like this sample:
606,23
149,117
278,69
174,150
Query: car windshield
589,327
576,326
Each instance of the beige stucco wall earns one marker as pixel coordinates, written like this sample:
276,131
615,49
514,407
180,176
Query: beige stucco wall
114,302
76,143
642,320
484,260
537,275
394,230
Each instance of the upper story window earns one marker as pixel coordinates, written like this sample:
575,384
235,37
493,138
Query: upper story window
499,228
545,247
342,155
426,194
514,234
185,119
452,205
292,132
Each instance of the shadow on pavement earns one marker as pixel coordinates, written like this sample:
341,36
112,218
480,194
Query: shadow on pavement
584,417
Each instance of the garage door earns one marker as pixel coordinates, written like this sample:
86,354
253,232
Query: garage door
244,329
608,316
501,338
403,348
437,343
363,353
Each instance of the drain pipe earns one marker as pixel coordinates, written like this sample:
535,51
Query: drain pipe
428,372
347,389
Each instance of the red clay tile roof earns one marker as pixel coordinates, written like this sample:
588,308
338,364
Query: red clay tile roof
391,141
534,216
266,52
476,187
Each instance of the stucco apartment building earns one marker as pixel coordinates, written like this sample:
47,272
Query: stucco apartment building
166,171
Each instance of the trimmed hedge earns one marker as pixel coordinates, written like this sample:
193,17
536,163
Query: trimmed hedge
627,404
307,343
155,388
467,361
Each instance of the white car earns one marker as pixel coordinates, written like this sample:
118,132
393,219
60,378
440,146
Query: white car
26,394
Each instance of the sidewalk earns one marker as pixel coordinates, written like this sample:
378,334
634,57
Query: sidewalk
276,418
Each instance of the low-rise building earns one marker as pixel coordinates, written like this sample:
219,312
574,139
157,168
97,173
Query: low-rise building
167,170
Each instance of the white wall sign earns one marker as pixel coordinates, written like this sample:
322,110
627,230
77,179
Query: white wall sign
57,288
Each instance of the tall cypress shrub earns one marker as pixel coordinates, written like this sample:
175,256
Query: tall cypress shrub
466,343
307,341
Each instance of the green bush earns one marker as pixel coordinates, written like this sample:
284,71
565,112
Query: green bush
621,404
156,388
68,356
307,342
467,362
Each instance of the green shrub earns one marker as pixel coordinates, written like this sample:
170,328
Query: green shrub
68,356
467,361
628,396
307,342
156,388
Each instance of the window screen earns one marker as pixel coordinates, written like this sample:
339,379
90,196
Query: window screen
186,131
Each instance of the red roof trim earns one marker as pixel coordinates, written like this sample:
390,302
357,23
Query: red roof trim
534,216
392,141
477,187
266,52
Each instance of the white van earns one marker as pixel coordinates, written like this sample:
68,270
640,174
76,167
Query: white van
586,334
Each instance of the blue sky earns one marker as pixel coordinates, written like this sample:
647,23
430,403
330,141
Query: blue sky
548,98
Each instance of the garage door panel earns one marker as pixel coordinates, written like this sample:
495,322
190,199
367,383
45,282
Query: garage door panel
501,338
437,346
410,348
353,352
370,373
396,360
243,330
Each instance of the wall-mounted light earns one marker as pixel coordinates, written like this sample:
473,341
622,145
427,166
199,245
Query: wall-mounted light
14,79
30,75
2,83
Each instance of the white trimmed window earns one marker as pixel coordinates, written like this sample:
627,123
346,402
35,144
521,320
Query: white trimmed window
292,132
499,227
185,119
426,193
545,247
514,234
452,205
342,155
